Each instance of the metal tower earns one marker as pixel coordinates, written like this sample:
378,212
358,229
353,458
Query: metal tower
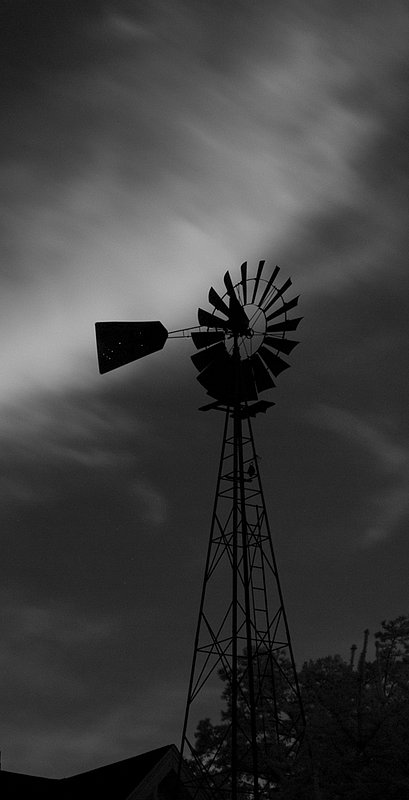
242,632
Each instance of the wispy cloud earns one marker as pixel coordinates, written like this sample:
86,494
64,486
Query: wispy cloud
388,507
30,622
153,502
38,643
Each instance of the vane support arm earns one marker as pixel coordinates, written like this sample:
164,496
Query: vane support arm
183,333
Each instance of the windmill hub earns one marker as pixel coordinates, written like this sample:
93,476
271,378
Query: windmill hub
251,337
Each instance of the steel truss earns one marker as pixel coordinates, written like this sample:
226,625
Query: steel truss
243,636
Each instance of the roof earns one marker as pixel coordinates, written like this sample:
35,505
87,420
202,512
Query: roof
14,785
131,778
120,779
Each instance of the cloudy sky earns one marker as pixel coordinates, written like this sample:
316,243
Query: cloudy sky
147,146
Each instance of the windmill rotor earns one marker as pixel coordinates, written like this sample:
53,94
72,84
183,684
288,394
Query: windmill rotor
252,313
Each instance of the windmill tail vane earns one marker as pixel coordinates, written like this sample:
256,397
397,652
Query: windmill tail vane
242,629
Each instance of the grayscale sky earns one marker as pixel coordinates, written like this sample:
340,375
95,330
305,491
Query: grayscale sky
146,148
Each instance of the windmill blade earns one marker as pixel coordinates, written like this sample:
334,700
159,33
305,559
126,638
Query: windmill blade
120,343
274,363
284,345
206,338
237,316
278,293
218,378
217,302
285,325
257,281
248,388
203,358
229,285
238,319
284,308
211,320
243,270
270,282
262,376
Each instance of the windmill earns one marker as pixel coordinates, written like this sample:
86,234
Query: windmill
242,631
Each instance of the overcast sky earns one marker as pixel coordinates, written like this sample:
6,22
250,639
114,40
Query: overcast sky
146,148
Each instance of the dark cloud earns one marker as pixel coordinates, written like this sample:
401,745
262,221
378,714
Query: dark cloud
48,36
147,147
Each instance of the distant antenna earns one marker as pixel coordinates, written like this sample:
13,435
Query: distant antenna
242,629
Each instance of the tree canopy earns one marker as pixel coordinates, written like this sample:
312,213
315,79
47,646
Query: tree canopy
356,745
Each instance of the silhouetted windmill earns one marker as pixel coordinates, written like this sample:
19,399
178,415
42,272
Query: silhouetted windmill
242,631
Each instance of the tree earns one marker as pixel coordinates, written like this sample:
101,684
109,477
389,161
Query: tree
357,725
277,703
